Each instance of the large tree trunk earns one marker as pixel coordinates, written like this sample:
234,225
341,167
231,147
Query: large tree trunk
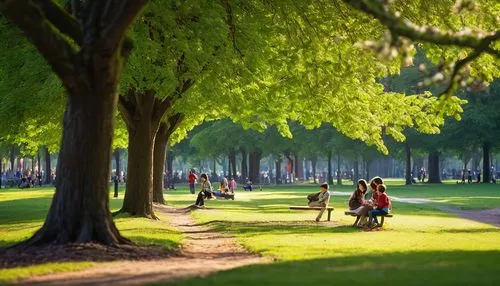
367,169
330,175
313,164
48,168
88,59
232,161
434,167
170,162
408,174
142,125
255,166
339,172
160,152
117,170
278,171
12,158
244,165
356,172
486,162
299,168
80,207
214,170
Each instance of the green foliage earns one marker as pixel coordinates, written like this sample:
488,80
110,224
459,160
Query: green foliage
31,96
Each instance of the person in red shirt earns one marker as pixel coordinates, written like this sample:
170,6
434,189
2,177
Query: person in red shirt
383,206
192,180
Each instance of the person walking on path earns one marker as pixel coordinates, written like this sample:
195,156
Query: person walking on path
192,180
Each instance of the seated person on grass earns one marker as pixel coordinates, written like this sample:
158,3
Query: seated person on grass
383,206
223,192
320,199
205,192
248,186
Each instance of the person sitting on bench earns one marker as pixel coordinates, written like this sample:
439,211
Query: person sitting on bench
357,202
383,206
320,199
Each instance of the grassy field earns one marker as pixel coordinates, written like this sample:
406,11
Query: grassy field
419,245
22,212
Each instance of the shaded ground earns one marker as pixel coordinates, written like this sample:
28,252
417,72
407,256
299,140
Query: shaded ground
78,252
202,253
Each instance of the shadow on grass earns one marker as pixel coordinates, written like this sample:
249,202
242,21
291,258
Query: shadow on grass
24,210
280,227
147,249
409,268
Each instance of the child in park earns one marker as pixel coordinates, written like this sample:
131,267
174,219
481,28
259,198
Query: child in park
192,180
232,185
320,199
383,206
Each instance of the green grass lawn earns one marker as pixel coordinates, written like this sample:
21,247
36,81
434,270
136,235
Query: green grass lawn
22,212
419,245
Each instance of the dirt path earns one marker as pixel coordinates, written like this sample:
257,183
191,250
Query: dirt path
202,253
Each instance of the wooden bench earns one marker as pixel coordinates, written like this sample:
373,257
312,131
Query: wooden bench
306,208
358,217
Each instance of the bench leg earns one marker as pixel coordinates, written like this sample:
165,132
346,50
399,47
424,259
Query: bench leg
329,214
357,220
382,221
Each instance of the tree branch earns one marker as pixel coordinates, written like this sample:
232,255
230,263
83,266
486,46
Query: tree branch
58,52
231,24
424,34
120,13
126,108
173,122
63,21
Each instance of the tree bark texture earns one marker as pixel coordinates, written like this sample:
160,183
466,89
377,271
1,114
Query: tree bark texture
232,160
434,174
486,162
117,170
313,165
244,165
142,124
299,168
160,154
339,172
330,175
80,207
87,55
167,127
255,166
278,171
12,158
356,172
408,174
48,168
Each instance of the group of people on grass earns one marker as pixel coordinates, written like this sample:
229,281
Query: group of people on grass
226,188
368,204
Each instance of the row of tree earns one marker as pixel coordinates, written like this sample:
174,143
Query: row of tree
259,63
